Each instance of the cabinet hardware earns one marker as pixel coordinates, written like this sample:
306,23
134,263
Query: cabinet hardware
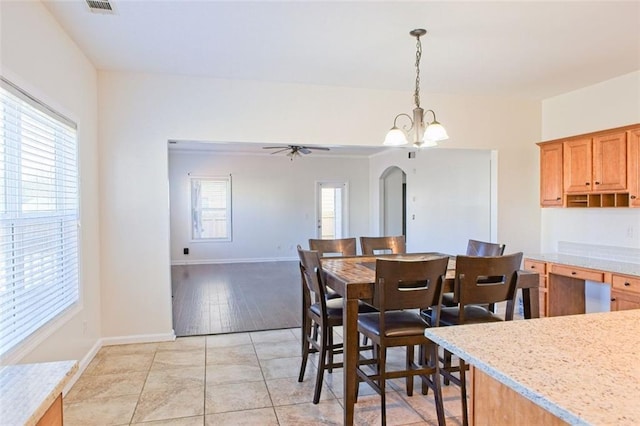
613,299
573,273
597,183
627,284
633,197
560,198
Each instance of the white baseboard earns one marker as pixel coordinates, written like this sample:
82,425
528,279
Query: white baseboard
218,261
139,338
110,341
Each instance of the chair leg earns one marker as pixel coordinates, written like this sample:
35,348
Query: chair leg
409,366
306,333
382,360
437,388
463,393
447,365
330,348
322,362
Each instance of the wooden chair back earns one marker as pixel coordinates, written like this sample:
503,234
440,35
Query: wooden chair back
313,288
334,247
486,280
408,284
482,248
388,245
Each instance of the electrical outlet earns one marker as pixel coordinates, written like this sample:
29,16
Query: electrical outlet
185,250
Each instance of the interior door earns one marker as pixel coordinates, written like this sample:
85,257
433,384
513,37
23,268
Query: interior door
332,210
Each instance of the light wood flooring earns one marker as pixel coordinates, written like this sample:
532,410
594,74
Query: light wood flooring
235,297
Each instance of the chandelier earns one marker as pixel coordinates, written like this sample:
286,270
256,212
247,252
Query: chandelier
425,134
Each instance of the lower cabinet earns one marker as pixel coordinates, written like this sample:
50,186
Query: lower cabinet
625,292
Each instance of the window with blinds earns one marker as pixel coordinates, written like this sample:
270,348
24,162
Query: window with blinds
211,208
38,215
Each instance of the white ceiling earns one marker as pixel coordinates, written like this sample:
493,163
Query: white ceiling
524,49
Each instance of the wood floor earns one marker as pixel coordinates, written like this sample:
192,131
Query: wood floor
235,297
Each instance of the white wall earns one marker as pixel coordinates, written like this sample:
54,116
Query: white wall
39,57
609,104
273,202
140,112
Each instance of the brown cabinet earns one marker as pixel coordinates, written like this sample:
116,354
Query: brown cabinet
541,269
596,164
600,169
633,166
551,175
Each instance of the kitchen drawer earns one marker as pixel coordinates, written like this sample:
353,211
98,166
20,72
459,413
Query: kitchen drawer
579,273
535,266
621,282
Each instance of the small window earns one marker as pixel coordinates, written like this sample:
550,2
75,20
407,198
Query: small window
211,208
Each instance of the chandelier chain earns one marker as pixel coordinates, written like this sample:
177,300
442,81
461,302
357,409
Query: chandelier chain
416,95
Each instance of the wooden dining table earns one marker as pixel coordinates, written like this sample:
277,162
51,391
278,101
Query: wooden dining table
353,278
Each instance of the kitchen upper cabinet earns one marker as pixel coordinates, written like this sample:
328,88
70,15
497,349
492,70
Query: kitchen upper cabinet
596,164
577,165
633,166
600,169
551,174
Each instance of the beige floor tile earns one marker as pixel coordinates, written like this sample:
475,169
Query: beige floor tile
238,355
120,364
138,348
262,417
324,413
182,421
160,405
283,349
107,385
221,374
226,340
367,411
116,410
335,382
174,378
271,336
236,397
425,404
289,391
178,359
183,343
278,368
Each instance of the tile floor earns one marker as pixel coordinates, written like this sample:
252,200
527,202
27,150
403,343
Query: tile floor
231,379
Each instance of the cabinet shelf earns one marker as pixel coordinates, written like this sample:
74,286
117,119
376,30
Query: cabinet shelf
613,199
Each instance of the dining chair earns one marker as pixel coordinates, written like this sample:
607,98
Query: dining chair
478,283
334,247
401,289
319,315
383,245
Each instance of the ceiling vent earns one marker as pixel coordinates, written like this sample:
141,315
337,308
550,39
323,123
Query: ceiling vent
101,6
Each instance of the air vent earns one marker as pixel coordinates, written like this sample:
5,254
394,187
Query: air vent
101,6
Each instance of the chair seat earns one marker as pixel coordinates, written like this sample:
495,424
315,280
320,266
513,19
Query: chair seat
332,294
334,308
472,314
397,323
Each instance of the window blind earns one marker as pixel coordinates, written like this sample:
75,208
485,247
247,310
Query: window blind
38,215
211,208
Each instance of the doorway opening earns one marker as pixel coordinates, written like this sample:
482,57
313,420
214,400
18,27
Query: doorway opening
393,196
332,210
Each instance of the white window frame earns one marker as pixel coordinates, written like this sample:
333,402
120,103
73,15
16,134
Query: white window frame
195,216
344,213
39,231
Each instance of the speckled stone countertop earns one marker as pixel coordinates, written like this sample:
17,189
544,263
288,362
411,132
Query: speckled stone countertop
588,262
27,390
584,369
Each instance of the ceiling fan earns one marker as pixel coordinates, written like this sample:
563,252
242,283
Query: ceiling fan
295,150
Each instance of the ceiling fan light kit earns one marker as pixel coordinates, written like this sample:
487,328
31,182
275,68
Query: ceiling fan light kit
424,134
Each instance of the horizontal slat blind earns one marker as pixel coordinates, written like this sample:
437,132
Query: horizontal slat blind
211,207
38,215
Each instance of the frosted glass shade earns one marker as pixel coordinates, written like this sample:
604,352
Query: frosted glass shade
435,132
395,137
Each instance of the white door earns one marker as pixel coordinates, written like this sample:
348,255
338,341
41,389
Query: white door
332,212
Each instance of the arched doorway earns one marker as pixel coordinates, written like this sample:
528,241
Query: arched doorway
393,202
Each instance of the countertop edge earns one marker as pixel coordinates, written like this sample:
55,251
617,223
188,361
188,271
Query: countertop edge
614,266
537,399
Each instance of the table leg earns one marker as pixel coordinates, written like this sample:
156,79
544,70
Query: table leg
351,353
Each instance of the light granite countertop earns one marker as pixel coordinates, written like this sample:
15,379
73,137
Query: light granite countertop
585,369
587,262
27,390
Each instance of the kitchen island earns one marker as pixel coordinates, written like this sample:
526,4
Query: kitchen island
577,369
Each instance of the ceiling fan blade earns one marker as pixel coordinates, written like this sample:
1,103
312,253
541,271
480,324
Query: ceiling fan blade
304,150
280,150
321,148
274,147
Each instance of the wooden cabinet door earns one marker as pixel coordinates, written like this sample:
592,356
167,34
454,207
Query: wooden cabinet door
551,174
624,300
610,162
633,166
577,165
